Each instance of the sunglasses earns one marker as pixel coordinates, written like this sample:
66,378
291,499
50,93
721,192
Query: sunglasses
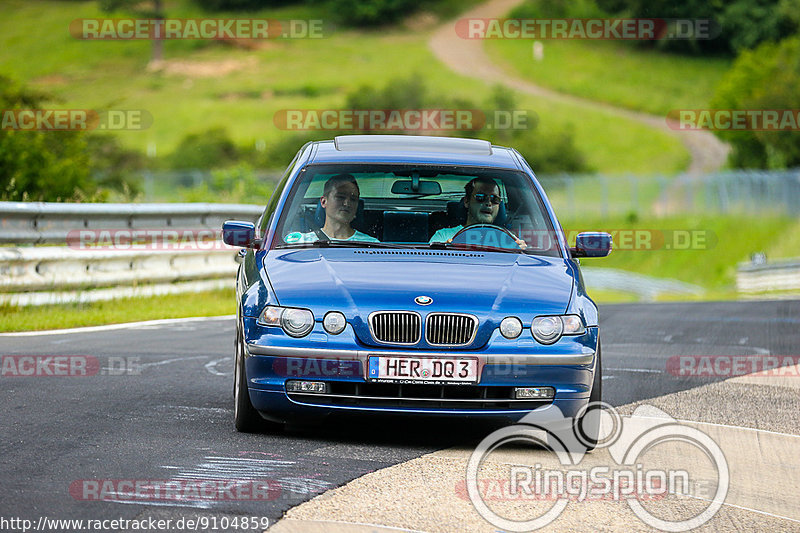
481,197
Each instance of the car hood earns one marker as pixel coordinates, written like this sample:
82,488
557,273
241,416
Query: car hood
360,281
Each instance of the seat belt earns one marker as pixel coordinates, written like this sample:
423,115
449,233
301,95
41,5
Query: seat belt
321,235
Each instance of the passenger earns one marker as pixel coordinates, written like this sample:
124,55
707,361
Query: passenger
340,201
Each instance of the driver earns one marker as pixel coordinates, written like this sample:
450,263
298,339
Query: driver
482,200
339,199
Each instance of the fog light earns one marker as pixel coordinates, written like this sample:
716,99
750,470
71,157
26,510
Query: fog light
334,322
534,393
511,327
316,387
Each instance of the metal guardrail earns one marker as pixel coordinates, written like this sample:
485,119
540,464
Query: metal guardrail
774,276
50,223
35,275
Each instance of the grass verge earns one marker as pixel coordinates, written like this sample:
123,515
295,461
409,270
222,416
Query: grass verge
211,303
702,250
204,85
615,72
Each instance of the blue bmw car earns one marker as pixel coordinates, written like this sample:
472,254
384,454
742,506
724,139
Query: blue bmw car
418,276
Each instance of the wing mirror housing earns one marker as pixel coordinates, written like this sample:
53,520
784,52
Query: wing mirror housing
241,234
592,244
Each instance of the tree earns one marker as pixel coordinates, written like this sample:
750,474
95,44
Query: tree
766,78
40,165
148,9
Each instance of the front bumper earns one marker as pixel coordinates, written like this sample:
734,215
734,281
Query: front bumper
568,368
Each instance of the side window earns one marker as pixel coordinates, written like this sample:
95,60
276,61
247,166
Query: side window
272,203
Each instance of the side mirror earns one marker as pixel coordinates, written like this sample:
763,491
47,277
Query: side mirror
241,234
592,244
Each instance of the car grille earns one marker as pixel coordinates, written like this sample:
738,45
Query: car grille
395,327
449,329
454,397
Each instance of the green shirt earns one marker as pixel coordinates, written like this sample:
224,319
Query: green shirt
445,234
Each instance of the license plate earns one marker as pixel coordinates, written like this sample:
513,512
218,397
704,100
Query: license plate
423,369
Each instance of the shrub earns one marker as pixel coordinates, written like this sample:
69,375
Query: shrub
740,24
115,167
212,148
765,78
41,165
239,5
372,12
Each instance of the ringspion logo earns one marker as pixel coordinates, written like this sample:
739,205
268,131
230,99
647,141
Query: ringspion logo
630,477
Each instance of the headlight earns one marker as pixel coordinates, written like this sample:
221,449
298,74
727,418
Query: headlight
511,327
548,329
295,322
334,322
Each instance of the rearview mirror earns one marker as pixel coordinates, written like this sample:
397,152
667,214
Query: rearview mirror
592,244
423,188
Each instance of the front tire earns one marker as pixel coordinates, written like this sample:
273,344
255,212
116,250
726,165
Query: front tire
584,432
245,416
587,427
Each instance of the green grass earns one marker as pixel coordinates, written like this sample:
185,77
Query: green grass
607,296
211,303
729,240
37,49
615,72
788,246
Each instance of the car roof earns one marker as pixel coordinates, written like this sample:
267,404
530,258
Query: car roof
414,149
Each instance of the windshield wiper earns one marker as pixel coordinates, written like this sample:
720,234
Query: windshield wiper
476,247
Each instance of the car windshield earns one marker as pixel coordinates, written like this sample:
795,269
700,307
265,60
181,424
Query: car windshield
378,205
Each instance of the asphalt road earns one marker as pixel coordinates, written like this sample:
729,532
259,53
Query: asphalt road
173,418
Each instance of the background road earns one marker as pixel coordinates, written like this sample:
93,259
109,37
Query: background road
174,419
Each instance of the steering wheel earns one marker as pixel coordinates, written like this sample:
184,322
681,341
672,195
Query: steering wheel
488,236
